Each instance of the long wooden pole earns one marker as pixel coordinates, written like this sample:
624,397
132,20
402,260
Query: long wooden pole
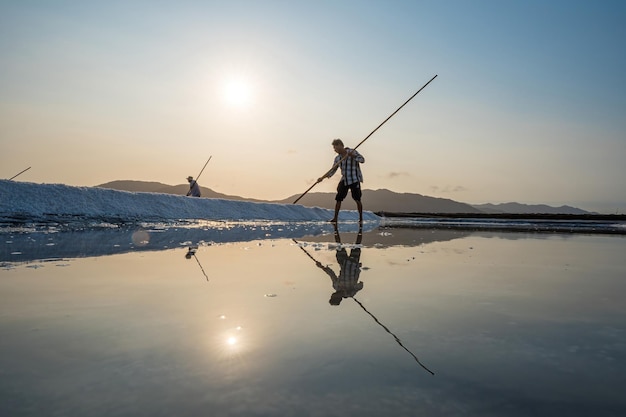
366,138
202,170
19,173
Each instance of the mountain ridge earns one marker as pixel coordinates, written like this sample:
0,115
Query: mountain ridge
520,208
380,200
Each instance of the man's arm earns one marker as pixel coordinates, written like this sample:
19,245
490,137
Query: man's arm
328,270
332,170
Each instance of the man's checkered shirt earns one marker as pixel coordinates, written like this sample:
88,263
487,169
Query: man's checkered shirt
350,169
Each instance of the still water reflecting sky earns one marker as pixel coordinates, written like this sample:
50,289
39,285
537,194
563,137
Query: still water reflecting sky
510,325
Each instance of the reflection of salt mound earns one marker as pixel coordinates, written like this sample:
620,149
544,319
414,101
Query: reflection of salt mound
28,201
54,243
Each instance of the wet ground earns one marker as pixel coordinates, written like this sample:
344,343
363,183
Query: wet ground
396,321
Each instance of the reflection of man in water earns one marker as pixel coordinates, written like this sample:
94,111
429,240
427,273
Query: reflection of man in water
191,251
347,283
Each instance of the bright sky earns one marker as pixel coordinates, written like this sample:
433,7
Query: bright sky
529,103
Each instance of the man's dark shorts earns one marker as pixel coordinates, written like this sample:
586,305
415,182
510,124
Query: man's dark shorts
342,191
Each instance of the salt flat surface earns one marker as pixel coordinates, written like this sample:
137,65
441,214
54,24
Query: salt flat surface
507,322
30,202
26,207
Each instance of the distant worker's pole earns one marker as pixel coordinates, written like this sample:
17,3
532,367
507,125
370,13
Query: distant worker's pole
19,173
202,170
366,138
195,182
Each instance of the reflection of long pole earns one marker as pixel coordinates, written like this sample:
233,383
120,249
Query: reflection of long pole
375,319
207,278
305,251
394,336
366,138
189,254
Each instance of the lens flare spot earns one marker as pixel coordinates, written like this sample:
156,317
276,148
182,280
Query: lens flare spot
141,238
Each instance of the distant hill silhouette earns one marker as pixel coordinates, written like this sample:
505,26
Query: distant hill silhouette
385,200
509,208
157,187
373,200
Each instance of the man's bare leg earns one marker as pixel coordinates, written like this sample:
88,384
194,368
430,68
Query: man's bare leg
337,208
359,206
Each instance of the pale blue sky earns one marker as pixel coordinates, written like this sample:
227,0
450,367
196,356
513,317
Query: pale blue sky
528,104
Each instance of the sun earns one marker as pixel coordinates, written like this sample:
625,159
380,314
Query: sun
237,92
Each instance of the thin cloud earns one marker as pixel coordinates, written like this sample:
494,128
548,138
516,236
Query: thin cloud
394,174
447,189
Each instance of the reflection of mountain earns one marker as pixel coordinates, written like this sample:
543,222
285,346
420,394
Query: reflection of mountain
384,237
33,246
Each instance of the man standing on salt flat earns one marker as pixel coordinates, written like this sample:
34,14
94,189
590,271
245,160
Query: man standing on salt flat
194,189
351,177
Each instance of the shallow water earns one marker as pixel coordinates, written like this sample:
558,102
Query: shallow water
510,324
